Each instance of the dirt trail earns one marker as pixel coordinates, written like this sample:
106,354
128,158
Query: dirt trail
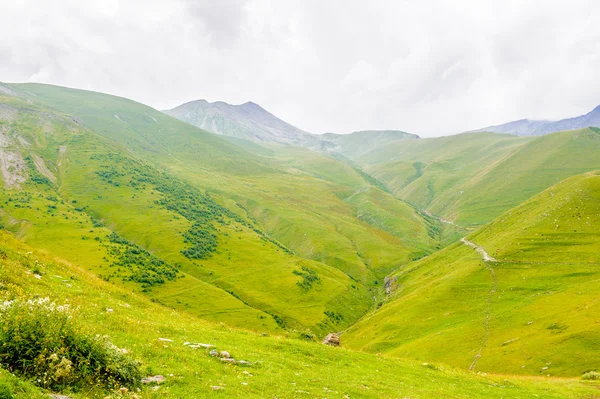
480,250
425,211
488,313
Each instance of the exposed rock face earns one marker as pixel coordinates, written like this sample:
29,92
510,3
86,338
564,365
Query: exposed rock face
389,284
332,339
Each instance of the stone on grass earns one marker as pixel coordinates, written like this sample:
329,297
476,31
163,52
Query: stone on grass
332,339
157,379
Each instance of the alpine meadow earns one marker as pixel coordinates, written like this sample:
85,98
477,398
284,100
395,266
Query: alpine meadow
155,244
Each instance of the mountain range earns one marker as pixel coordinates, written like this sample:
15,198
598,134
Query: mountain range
527,127
250,121
217,246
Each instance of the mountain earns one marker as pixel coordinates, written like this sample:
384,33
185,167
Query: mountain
163,229
522,127
355,144
526,127
472,178
247,121
95,178
251,122
518,296
165,342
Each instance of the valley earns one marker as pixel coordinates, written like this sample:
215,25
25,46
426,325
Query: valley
471,260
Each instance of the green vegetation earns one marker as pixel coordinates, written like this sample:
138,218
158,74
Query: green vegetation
39,341
473,178
279,366
533,311
168,229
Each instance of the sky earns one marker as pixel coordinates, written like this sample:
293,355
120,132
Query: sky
426,67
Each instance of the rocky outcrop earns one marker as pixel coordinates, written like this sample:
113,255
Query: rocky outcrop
332,340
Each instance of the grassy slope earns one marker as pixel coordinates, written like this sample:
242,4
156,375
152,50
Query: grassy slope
535,311
284,367
273,192
473,178
356,144
246,281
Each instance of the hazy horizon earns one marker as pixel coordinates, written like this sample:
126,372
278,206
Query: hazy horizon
433,68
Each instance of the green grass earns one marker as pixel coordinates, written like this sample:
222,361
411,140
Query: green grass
248,279
535,311
281,367
473,178
188,228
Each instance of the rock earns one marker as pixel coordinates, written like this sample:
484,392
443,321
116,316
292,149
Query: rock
244,363
216,387
224,354
157,379
389,284
53,396
332,339
228,360
213,353
165,340
123,390
197,346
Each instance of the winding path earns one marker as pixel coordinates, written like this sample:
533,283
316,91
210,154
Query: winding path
480,250
487,259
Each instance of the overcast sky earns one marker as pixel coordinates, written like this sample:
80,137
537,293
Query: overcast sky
427,67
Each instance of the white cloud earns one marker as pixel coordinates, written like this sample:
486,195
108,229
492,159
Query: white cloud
429,67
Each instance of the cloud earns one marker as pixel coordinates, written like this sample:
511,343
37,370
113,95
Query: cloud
429,67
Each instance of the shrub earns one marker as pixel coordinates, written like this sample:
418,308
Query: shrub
591,375
5,392
39,340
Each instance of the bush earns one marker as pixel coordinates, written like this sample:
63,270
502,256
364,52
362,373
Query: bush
591,375
5,392
39,340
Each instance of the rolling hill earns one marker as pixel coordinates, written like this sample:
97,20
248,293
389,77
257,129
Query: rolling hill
174,228
530,308
472,178
232,236
276,366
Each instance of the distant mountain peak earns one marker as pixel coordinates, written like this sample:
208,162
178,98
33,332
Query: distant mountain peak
529,127
246,121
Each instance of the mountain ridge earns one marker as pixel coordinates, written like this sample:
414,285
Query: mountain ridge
529,127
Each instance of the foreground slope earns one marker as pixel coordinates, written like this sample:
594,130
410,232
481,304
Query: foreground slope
280,367
472,178
530,308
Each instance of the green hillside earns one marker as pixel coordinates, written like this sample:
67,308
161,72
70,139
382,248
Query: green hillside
231,236
472,178
77,195
272,194
356,144
533,309
174,228
278,367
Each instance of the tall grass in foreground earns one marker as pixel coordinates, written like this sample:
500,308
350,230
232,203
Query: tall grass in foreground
40,340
